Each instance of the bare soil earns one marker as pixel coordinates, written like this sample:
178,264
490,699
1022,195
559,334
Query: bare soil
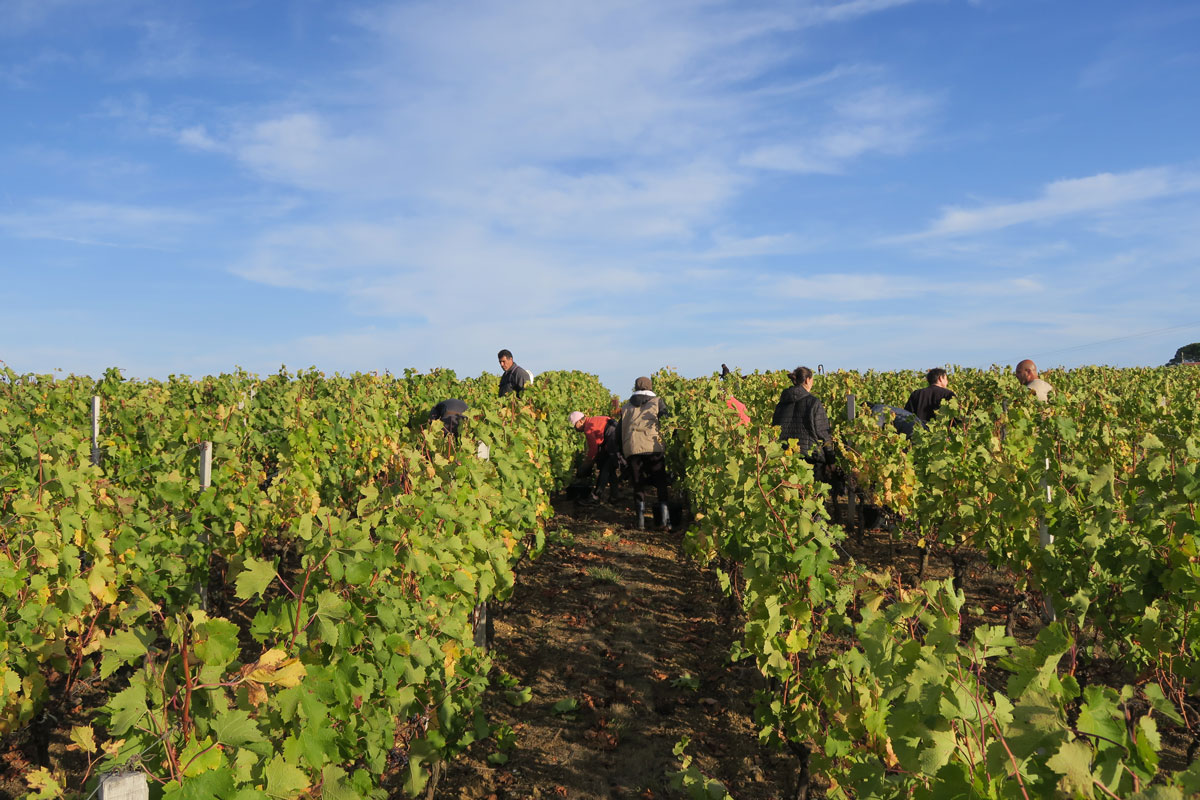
623,623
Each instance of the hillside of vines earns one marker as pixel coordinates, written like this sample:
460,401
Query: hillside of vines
302,626
889,686
305,623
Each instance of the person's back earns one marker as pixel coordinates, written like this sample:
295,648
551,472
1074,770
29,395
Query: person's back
641,441
1040,388
925,402
450,412
801,416
639,423
793,414
593,430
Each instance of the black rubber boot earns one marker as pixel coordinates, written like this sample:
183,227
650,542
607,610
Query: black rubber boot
665,515
641,515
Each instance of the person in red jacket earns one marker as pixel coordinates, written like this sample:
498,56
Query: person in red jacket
599,437
733,404
592,429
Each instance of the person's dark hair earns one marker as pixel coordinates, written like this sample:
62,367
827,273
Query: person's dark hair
934,374
642,385
799,375
504,354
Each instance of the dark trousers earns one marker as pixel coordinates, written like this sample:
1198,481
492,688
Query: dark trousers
608,474
649,469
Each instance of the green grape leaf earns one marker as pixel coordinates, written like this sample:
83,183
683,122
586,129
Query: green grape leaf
284,781
235,728
1073,762
255,578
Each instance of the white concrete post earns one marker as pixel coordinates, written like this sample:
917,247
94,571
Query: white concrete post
124,786
96,430
205,482
1047,539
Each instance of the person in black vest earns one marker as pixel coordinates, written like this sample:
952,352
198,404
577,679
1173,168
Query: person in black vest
925,402
514,379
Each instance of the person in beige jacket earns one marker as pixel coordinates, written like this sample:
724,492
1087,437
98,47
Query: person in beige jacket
1027,373
642,445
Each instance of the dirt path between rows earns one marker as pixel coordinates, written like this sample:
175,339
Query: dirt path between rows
614,646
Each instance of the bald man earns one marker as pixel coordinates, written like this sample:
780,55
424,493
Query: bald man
1027,373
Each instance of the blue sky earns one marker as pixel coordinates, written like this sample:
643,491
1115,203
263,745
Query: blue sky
191,186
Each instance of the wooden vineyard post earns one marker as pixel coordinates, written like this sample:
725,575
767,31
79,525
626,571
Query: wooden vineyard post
96,430
205,482
851,510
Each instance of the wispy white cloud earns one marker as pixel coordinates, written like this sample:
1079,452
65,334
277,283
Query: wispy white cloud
879,119
613,205
300,149
104,224
609,89
23,74
863,287
1069,197
18,17
532,144
850,10
726,246
429,270
197,137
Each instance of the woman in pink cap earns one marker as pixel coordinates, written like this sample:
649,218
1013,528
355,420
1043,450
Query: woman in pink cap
593,429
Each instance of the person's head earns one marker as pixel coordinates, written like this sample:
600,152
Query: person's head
801,376
1026,371
937,377
506,359
576,419
642,385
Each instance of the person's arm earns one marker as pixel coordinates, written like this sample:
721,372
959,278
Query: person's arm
911,405
520,378
737,405
821,424
778,416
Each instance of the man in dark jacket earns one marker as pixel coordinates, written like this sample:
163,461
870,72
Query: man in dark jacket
642,444
925,402
801,416
514,379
